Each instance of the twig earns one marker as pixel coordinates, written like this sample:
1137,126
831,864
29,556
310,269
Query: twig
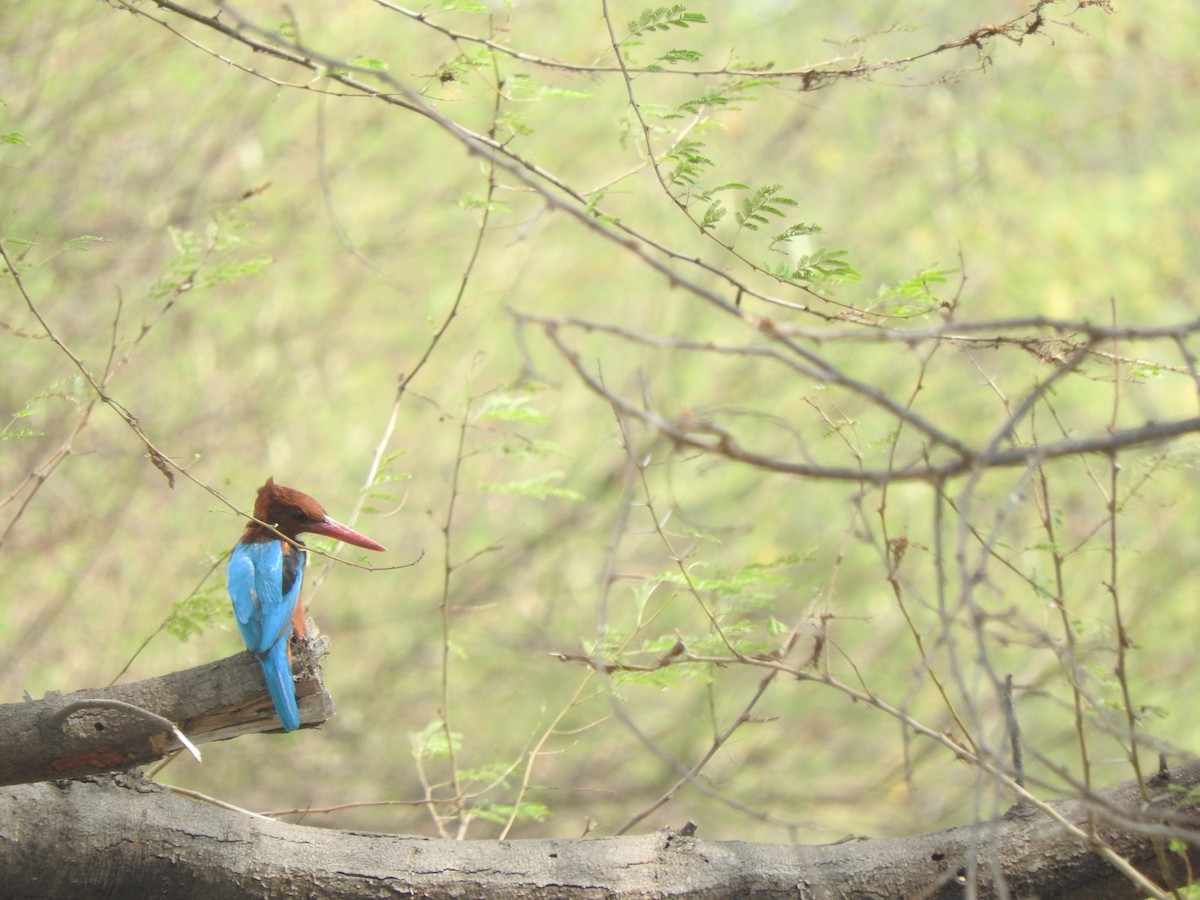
61,715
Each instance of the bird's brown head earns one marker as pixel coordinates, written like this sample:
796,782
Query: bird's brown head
294,512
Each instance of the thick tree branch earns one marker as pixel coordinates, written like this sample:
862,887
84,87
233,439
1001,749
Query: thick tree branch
124,836
59,736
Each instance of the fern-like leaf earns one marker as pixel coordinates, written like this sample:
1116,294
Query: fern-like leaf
713,215
664,18
800,229
763,202
824,267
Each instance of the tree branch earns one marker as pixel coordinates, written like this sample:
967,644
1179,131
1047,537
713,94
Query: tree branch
68,735
124,836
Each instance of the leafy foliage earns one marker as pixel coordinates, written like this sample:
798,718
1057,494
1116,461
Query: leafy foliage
511,408
537,488
209,259
664,18
823,267
434,742
192,615
675,57
914,295
689,164
763,202
720,379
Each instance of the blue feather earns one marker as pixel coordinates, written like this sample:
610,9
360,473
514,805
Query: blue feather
277,672
264,585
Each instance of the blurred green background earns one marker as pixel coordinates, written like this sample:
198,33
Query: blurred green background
323,239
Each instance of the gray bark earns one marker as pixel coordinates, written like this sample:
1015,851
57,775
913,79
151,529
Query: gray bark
122,836
44,739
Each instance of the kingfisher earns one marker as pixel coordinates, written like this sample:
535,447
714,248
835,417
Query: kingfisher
265,573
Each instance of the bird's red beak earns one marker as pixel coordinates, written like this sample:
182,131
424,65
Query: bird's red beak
339,532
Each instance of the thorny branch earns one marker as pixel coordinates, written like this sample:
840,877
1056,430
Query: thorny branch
555,191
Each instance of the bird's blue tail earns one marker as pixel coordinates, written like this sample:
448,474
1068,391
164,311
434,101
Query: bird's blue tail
277,671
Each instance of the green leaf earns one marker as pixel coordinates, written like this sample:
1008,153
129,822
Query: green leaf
711,97
886,443
735,591
526,449
917,287
12,434
822,267
688,165
798,230
369,62
517,126
642,592
190,616
518,84
210,259
388,477
666,677
493,773
674,57
431,742
81,242
538,488
763,202
510,408
501,812
664,18
713,215
569,93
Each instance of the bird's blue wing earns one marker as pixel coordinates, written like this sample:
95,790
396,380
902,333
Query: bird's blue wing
264,585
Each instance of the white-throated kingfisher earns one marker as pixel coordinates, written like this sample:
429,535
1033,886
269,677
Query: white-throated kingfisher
265,573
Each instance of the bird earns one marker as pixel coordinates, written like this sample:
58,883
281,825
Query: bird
265,573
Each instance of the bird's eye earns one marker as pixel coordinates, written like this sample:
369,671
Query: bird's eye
299,516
